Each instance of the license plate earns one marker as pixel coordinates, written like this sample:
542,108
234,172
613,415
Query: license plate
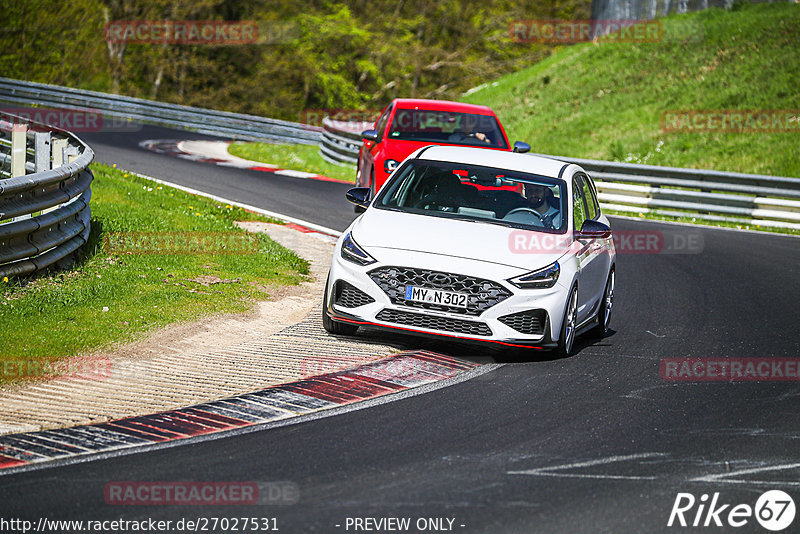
436,296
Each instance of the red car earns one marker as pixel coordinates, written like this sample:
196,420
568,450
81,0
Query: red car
407,124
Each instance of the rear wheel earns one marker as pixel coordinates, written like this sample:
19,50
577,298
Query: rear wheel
604,313
335,327
567,338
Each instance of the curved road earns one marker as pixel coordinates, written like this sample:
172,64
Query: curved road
596,442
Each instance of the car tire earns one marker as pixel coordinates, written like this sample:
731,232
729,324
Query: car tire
331,326
606,305
566,340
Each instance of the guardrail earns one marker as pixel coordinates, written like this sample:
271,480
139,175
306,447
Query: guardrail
211,122
630,188
704,194
339,143
45,187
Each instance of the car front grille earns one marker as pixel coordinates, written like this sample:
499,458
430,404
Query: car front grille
349,296
433,322
481,294
526,322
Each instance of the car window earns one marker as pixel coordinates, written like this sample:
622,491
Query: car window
382,120
592,210
578,207
477,193
450,127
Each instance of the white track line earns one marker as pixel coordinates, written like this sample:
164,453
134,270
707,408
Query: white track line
724,477
548,471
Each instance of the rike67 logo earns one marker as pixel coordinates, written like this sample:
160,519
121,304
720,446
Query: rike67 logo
774,510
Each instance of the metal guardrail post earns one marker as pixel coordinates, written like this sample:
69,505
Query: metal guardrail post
19,135
58,152
19,146
42,151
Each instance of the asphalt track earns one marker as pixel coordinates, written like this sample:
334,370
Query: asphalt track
598,442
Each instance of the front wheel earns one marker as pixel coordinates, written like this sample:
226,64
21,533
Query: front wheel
335,327
604,313
567,338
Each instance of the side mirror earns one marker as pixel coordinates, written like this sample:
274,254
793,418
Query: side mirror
521,147
592,229
359,196
370,135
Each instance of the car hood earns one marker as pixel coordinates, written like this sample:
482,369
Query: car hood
492,243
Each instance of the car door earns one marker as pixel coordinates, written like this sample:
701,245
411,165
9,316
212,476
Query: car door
592,259
604,246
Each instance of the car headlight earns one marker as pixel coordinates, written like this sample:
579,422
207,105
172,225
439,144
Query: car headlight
354,253
541,279
390,165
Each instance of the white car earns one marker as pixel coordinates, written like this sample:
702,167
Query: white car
477,245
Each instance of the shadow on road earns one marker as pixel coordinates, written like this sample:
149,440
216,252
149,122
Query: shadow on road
478,353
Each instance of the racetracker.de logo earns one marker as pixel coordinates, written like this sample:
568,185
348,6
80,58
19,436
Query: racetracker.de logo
200,493
730,369
625,242
72,120
90,368
185,243
580,31
341,118
731,121
187,32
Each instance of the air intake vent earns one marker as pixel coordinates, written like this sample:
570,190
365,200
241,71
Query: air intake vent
432,322
349,296
527,322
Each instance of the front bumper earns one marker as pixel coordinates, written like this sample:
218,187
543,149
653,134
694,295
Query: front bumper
487,326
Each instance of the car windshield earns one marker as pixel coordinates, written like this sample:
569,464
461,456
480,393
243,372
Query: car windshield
477,193
447,127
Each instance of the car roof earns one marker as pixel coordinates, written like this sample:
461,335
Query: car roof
495,158
441,105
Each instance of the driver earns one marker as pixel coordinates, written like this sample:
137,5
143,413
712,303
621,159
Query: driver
465,131
547,216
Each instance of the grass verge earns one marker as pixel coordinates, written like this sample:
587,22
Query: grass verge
112,297
295,157
605,101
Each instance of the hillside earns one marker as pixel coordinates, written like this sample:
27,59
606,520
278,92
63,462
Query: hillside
606,100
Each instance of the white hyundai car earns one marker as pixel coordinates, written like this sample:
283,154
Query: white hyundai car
477,245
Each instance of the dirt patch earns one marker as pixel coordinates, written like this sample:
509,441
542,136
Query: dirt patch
208,359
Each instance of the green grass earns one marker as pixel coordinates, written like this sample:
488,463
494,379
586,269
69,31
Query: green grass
605,101
295,157
60,313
